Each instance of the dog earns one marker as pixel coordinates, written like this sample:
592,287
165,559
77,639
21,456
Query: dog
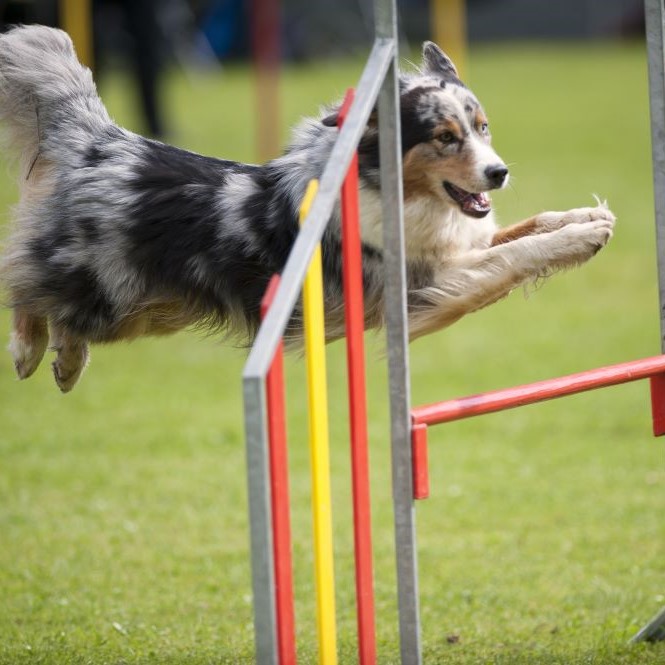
116,236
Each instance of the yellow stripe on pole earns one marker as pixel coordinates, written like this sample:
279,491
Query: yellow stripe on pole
76,20
318,445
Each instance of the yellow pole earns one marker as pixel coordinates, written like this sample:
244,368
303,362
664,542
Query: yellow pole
318,445
76,20
449,28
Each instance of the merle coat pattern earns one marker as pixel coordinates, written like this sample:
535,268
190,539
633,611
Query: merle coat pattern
117,236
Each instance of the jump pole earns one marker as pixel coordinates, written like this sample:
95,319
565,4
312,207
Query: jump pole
355,350
279,496
654,15
392,208
317,398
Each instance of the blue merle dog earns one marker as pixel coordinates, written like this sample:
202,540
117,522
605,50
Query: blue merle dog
116,236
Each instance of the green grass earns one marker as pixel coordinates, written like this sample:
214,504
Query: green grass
123,529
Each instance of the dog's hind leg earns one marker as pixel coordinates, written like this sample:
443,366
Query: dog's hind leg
72,358
28,341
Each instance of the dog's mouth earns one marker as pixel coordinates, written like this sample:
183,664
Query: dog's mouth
475,205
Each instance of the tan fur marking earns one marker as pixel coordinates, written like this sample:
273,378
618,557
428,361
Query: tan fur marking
417,163
449,125
480,119
155,319
28,326
526,228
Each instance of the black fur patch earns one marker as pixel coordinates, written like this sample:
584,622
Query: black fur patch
180,239
89,229
72,295
98,151
164,165
88,313
415,129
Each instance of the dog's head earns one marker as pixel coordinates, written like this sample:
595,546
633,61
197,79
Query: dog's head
445,138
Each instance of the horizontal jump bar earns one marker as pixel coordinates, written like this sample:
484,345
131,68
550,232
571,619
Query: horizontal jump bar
530,393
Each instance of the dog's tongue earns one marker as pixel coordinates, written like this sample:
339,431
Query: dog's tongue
476,203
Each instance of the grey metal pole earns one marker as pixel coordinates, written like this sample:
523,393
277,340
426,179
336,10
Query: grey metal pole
654,631
655,31
654,13
260,521
397,341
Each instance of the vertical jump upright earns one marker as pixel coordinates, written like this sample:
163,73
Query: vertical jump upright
378,83
390,150
654,18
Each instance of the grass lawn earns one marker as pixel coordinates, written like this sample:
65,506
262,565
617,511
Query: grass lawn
123,529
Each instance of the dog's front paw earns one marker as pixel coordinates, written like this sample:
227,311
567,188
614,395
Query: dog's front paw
584,239
553,221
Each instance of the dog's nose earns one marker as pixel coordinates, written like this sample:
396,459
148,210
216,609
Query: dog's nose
496,175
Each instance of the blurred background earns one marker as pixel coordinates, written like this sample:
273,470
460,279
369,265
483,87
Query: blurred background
150,36
123,521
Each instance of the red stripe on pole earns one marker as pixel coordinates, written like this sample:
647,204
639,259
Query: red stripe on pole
658,404
279,493
419,461
355,325
509,398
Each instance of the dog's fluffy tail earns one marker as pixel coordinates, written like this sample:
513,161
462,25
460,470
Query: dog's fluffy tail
48,100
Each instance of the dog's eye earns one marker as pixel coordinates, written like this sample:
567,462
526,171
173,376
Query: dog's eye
484,129
447,137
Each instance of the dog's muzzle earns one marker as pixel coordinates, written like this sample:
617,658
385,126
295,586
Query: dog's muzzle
475,205
478,204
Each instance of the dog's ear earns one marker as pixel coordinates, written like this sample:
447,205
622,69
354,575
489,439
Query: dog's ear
436,62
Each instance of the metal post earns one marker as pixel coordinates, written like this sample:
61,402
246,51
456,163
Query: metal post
654,631
397,340
260,521
655,21
654,13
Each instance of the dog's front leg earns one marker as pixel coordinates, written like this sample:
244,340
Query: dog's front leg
546,222
479,278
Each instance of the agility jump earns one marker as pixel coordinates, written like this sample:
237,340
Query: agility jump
274,624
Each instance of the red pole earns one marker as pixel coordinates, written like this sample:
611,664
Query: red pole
279,496
419,461
509,398
658,404
355,326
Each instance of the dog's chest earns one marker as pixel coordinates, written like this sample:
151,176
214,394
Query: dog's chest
431,231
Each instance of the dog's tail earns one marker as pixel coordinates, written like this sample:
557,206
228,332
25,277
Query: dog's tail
47,98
